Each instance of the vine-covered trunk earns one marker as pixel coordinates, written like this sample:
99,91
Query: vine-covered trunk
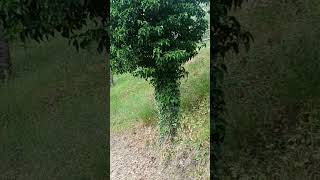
167,95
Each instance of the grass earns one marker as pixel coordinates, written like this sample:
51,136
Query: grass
132,102
132,99
272,94
53,113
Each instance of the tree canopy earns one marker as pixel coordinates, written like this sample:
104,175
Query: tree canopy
150,36
152,39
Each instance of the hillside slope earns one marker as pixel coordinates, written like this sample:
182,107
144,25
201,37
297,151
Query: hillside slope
133,127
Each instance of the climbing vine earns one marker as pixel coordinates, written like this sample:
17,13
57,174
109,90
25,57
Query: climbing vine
152,39
227,35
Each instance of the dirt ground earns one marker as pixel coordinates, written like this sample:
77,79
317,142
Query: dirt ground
134,157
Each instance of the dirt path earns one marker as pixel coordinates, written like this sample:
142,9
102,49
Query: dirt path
132,157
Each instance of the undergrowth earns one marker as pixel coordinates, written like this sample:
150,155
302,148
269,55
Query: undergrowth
272,94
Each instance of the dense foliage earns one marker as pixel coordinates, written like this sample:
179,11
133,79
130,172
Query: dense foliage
152,39
40,19
227,35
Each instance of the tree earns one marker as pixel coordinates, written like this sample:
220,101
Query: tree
227,35
152,39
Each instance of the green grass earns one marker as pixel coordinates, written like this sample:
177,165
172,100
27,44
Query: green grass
272,94
132,98
53,113
132,102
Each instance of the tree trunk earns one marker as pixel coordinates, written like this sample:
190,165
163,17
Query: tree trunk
5,61
167,95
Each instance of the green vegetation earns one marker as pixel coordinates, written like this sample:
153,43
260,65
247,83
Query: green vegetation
152,40
132,102
53,113
132,98
272,94
82,22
